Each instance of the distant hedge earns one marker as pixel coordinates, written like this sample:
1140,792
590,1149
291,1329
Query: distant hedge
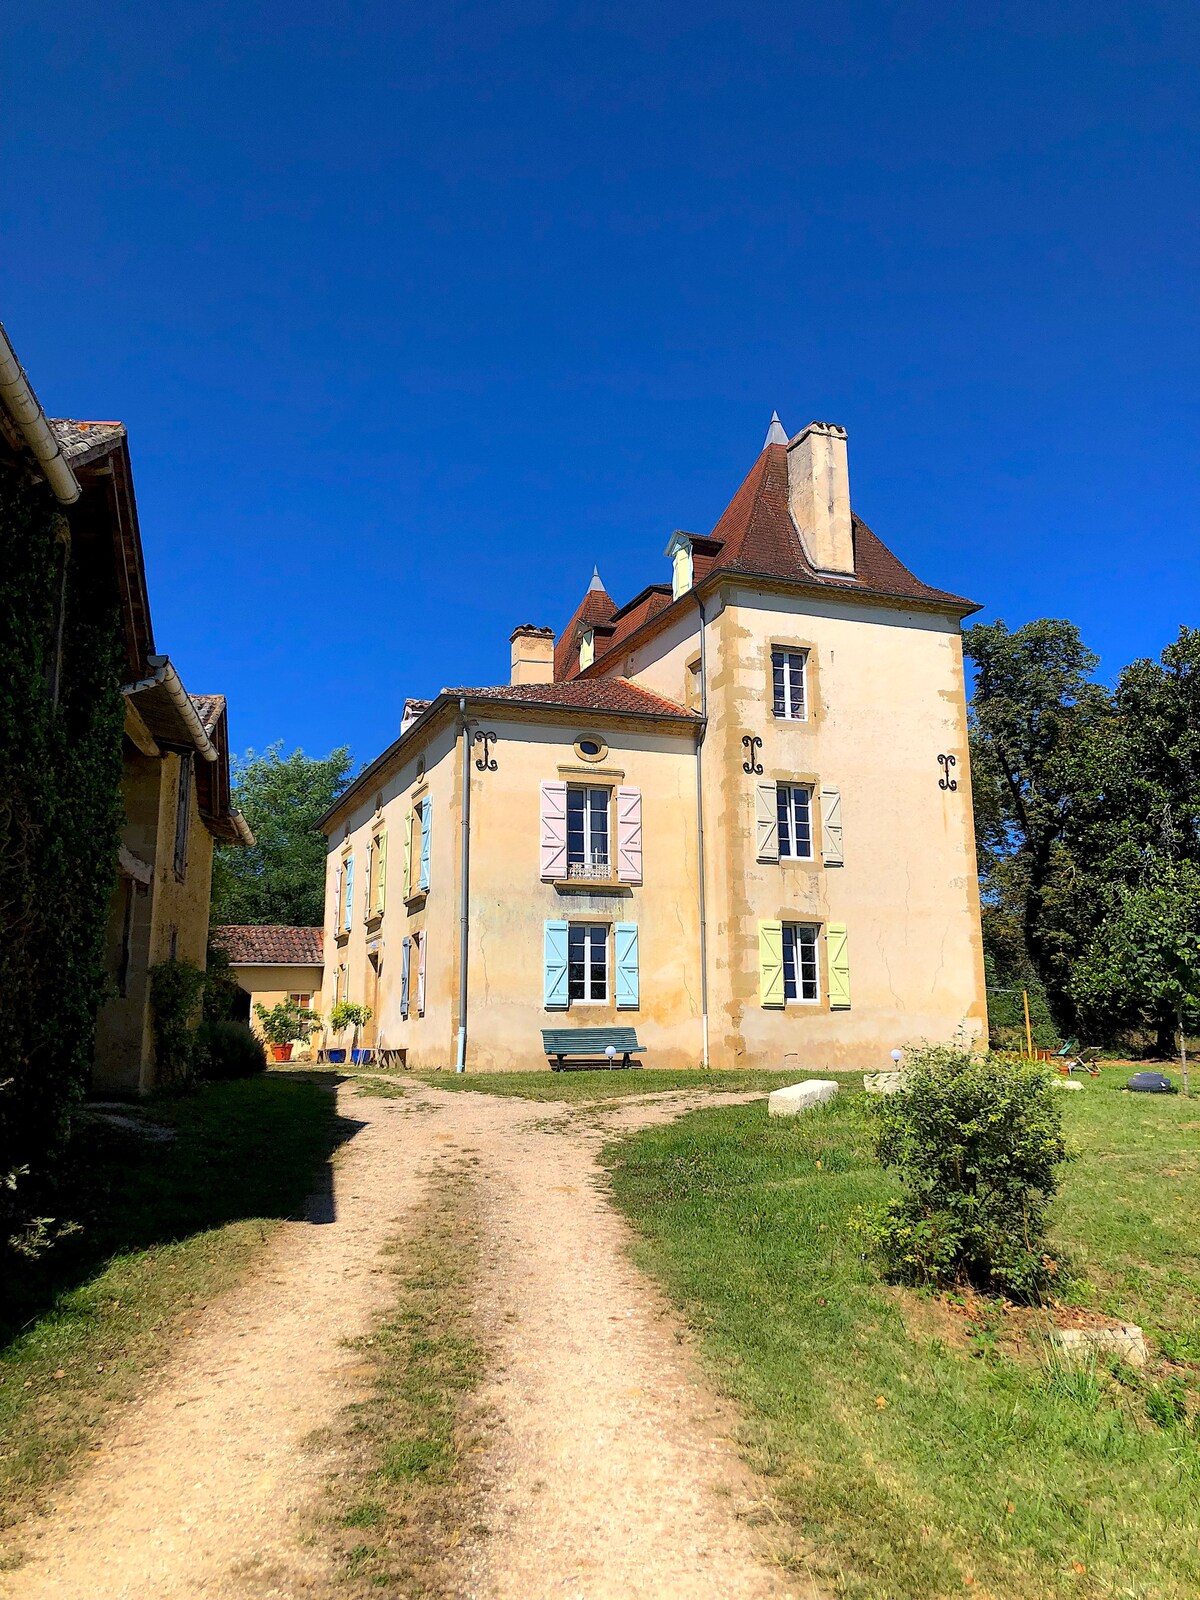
60,813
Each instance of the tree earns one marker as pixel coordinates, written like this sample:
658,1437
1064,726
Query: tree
1037,721
1143,966
282,878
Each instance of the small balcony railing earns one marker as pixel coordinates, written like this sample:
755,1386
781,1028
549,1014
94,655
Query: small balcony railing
597,870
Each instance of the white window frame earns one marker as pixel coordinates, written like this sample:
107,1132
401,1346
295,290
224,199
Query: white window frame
590,930
590,866
786,812
811,934
781,661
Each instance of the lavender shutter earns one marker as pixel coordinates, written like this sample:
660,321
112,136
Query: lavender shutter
554,831
629,835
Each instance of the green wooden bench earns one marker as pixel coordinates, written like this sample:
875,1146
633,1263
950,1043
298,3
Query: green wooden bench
590,1044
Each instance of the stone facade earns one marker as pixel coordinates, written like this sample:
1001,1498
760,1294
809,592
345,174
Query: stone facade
875,896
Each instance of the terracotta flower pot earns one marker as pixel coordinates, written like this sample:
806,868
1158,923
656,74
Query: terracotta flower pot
281,1052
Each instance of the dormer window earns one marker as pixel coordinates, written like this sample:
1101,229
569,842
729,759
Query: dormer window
680,552
587,649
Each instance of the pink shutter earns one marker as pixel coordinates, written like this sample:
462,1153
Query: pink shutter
424,939
554,830
629,835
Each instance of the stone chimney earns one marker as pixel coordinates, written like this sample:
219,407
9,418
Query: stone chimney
819,496
532,654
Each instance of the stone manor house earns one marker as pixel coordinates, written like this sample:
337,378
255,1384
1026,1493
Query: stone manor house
733,811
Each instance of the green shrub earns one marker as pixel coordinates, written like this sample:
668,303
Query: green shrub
976,1141
229,1050
176,991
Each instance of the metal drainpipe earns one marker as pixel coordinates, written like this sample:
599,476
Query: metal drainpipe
700,732
464,898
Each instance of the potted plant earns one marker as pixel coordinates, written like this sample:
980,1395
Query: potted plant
283,1024
347,1014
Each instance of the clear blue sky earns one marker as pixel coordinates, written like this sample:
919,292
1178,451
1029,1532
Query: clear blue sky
413,313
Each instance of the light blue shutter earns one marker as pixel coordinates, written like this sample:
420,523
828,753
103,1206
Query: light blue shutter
405,973
625,944
348,914
555,966
426,826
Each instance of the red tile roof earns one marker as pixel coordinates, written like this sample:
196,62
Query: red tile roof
755,535
614,695
208,708
595,609
272,946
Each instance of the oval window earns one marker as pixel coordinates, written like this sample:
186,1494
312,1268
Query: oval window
588,747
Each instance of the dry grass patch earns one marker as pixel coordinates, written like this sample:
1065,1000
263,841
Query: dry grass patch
401,1484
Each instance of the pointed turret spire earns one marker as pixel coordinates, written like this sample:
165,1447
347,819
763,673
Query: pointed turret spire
775,433
597,582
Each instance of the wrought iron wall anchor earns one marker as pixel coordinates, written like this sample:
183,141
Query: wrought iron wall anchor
752,743
946,781
487,739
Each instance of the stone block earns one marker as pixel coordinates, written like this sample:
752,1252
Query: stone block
884,1082
1127,1341
799,1097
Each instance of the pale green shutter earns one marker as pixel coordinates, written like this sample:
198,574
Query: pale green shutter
625,948
766,822
770,963
554,962
837,945
381,890
426,833
831,827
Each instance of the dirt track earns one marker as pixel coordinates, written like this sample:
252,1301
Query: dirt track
609,1473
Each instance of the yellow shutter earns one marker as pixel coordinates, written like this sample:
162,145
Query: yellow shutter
770,963
408,822
837,945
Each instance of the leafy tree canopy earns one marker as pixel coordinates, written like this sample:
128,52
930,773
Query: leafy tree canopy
1088,823
281,879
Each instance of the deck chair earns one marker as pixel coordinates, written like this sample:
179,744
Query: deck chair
1083,1061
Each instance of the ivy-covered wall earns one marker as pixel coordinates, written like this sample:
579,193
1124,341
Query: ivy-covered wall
60,772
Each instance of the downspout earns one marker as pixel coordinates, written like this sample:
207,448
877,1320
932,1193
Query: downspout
25,409
700,733
464,896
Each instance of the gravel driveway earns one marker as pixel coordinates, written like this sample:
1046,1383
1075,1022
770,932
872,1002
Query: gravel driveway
608,1473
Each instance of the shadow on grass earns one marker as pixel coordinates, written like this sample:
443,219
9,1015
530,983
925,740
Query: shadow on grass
255,1149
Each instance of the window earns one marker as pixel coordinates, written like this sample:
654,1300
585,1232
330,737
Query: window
125,954
800,970
587,649
788,672
587,961
793,804
695,686
183,814
301,1000
588,747
587,833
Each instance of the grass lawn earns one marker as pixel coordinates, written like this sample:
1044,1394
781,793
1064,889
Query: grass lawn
165,1226
606,1084
918,1448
